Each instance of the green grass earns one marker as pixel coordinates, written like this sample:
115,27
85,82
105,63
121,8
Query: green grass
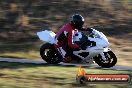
20,54
18,75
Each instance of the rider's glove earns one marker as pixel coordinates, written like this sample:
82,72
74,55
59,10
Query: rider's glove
90,30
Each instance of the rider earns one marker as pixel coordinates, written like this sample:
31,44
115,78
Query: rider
64,36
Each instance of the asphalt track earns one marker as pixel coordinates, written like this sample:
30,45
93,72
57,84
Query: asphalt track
39,61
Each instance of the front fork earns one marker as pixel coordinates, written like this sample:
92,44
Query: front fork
103,56
103,53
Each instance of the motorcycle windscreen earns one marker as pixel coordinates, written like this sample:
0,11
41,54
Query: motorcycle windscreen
47,36
100,40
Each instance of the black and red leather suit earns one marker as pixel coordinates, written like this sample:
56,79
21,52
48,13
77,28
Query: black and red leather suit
65,37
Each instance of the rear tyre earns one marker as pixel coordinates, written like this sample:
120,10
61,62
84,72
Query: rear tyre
110,61
49,54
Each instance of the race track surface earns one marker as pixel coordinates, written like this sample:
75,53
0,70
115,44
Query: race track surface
65,64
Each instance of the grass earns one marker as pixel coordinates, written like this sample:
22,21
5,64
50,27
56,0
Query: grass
20,50
23,43
18,75
18,54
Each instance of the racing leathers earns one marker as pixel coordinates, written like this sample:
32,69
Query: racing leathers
64,39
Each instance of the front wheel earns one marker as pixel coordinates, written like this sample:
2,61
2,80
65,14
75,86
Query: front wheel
110,61
49,54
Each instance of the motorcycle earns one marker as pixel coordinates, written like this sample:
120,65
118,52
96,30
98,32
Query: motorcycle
97,50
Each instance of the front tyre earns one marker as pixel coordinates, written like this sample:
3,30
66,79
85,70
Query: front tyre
49,54
110,61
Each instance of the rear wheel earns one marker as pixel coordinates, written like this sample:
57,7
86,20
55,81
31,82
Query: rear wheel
110,61
49,54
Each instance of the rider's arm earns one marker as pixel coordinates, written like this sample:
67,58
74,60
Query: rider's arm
70,40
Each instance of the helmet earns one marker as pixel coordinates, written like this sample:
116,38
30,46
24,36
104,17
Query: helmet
77,21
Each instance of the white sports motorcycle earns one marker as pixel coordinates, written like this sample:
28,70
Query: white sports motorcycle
98,50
